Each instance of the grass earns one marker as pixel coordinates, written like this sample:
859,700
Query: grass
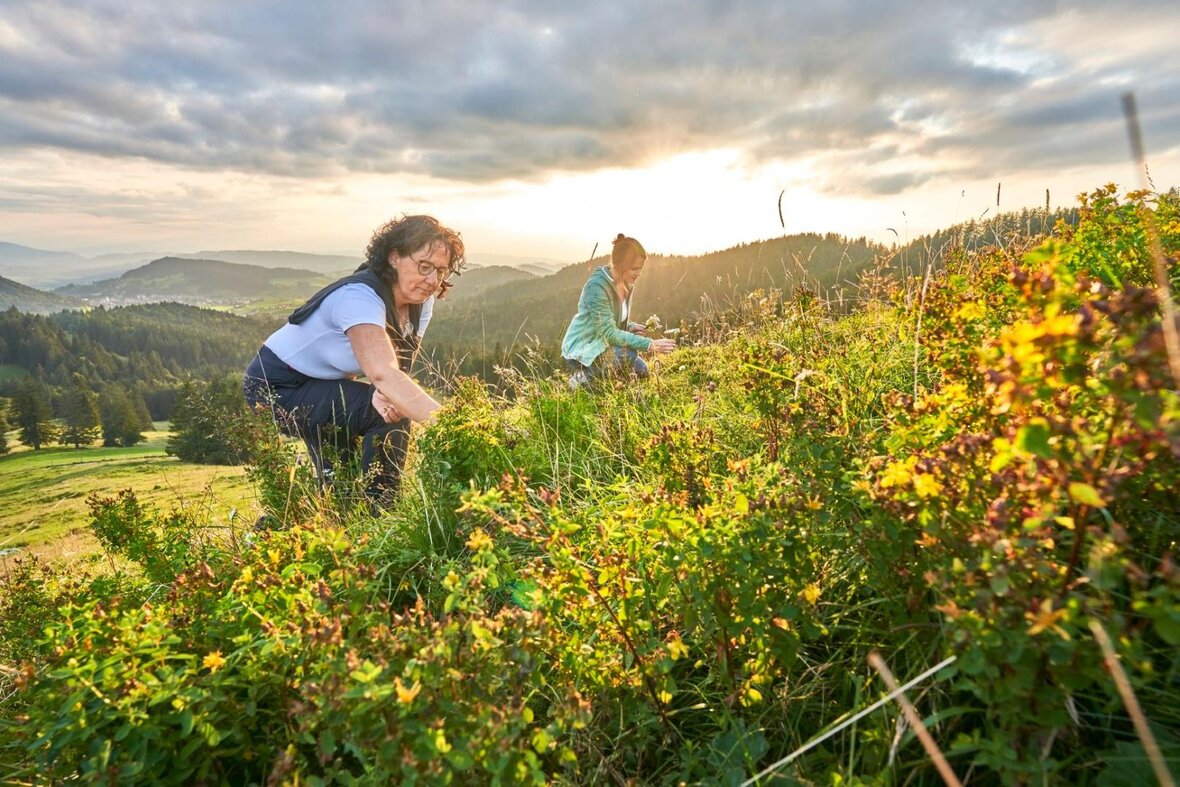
43,493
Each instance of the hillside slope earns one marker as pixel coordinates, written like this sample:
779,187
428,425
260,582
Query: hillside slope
489,329
150,348
198,282
679,580
33,301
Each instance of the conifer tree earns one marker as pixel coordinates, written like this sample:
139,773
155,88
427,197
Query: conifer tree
33,413
142,413
183,443
4,427
205,420
121,423
80,414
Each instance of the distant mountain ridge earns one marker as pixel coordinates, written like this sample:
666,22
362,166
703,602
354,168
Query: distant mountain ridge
54,269
38,267
540,266
477,281
331,264
198,282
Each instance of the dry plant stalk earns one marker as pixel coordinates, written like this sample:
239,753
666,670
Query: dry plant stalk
1167,308
1132,702
918,329
846,723
911,714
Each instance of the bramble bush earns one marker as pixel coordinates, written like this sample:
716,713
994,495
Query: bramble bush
678,581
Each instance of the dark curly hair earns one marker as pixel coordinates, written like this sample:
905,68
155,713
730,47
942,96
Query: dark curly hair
405,236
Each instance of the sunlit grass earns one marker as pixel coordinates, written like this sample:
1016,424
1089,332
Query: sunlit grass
43,493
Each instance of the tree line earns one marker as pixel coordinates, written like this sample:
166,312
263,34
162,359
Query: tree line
207,420
149,350
76,415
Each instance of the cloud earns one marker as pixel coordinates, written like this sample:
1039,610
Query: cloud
480,91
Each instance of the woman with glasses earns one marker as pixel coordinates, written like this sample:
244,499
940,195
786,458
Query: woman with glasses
602,338
369,323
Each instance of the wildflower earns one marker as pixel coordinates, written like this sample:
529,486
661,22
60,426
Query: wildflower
214,661
479,541
1046,619
406,695
676,648
926,485
811,593
895,475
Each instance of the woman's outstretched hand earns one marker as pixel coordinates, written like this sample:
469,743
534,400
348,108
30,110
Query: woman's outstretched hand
385,407
661,346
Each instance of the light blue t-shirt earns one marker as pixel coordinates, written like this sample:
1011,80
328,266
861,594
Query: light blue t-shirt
318,346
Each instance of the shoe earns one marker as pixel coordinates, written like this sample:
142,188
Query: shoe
267,523
578,379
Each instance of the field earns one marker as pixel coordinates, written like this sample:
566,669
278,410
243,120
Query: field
43,493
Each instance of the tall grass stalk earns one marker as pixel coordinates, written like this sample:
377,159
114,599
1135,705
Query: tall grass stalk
1159,261
911,714
811,744
1142,728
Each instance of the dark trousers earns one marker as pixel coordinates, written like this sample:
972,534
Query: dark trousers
336,414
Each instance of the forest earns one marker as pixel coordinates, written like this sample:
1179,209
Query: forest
964,471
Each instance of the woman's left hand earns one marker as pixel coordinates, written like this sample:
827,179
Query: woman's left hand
639,329
385,407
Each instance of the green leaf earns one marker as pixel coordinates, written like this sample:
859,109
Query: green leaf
1086,495
327,743
1033,438
186,722
459,759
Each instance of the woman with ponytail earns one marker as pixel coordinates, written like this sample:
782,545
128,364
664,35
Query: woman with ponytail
602,338
368,323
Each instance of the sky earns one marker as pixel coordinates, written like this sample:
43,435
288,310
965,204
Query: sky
546,128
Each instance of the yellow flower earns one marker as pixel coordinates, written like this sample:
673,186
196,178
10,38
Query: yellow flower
479,541
895,475
971,310
926,485
214,661
677,648
403,694
1046,619
811,593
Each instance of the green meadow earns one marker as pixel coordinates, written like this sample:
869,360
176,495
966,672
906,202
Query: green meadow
43,493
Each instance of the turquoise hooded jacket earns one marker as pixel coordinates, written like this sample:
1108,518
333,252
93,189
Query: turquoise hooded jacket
598,323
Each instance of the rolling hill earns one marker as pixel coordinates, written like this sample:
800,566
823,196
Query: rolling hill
476,281
199,282
330,264
33,301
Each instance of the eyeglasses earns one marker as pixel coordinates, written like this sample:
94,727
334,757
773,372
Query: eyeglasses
425,268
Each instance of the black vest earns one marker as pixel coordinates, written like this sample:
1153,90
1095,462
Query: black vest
406,346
